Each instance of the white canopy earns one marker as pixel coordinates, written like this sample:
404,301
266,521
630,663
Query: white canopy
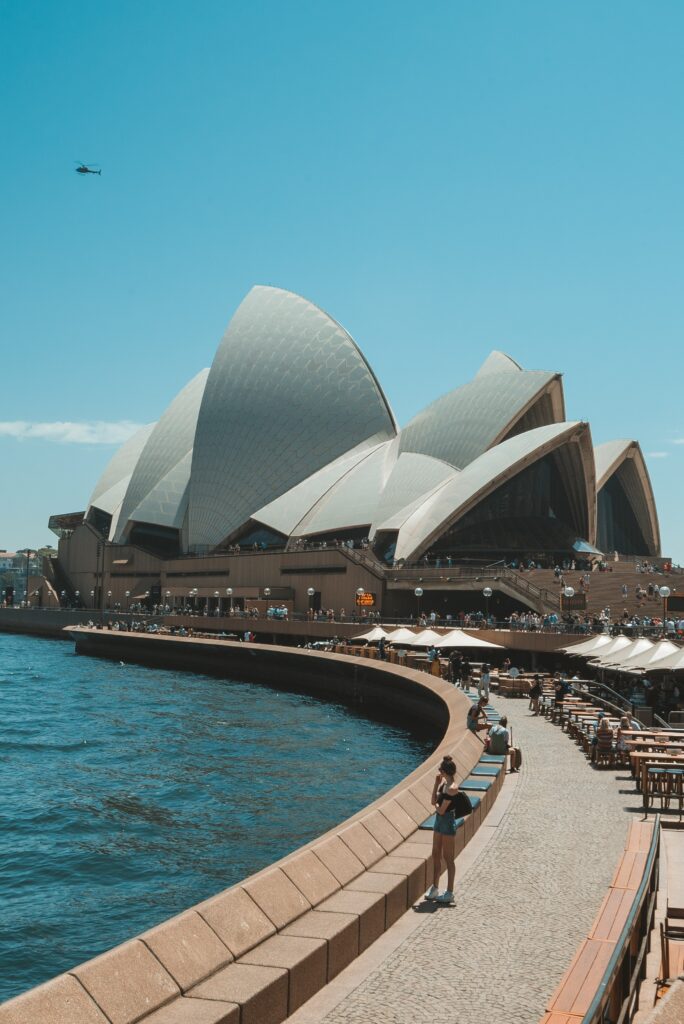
401,636
426,638
673,662
637,648
590,646
651,659
604,656
458,638
377,633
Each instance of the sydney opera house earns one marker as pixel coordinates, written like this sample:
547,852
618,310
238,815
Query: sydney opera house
283,468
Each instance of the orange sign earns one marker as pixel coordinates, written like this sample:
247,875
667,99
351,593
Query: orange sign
365,600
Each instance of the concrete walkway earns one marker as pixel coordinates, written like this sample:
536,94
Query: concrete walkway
527,890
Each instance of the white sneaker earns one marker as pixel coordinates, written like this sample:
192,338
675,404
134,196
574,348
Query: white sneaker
432,893
445,897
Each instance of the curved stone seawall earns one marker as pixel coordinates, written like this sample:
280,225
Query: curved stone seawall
255,952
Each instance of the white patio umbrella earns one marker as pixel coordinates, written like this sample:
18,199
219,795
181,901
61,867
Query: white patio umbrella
616,645
673,662
426,638
642,646
646,660
458,638
373,635
590,646
401,636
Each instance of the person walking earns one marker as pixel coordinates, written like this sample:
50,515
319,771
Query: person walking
444,792
535,694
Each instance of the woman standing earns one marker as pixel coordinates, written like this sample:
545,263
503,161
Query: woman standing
443,844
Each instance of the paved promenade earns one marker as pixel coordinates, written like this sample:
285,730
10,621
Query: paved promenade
526,896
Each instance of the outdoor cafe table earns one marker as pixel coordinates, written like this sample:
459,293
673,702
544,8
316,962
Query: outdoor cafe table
641,759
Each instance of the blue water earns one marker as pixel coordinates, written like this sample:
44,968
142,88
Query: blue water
129,793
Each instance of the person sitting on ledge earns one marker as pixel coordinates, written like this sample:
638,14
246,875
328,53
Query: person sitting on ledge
476,719
499,740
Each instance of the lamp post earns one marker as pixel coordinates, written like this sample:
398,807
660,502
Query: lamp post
419,593
36,595
487,593
167,595
128,600
92,597
267,593
229,595
568,592
217,595
109,598
28,562
77,595
63,598
664,593
147,601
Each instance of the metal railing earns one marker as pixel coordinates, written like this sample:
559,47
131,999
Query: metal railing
616,996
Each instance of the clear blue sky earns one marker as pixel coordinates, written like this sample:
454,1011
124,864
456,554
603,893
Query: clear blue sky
443,178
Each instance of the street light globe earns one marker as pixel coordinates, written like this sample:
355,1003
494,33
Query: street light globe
78,593
569,592
92,593
109,593
311,591
267,591
128,593
664,592
487,592
216,593
360,591
229,591
168,593
418,591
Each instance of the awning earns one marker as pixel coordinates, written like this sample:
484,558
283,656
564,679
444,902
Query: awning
458,638
373,635
583,547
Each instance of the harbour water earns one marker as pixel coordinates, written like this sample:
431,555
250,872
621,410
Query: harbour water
127,794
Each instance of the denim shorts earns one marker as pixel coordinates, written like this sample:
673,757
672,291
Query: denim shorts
445,824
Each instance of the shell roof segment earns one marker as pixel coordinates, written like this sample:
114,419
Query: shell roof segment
461,425
288,392
450,501
118,469
170,441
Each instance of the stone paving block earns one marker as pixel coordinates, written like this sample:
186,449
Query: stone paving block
417,851
127,982
60,1001
341,932
362,844
237,920
393,887
305,960
339,859
311,877
413,807
412,868
422,796
260,992
195,1011
280,900
368,906
187,948
382,830
398,817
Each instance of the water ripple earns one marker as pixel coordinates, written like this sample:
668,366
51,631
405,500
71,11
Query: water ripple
128,794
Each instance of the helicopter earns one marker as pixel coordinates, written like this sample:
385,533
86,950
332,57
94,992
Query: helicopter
84,169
